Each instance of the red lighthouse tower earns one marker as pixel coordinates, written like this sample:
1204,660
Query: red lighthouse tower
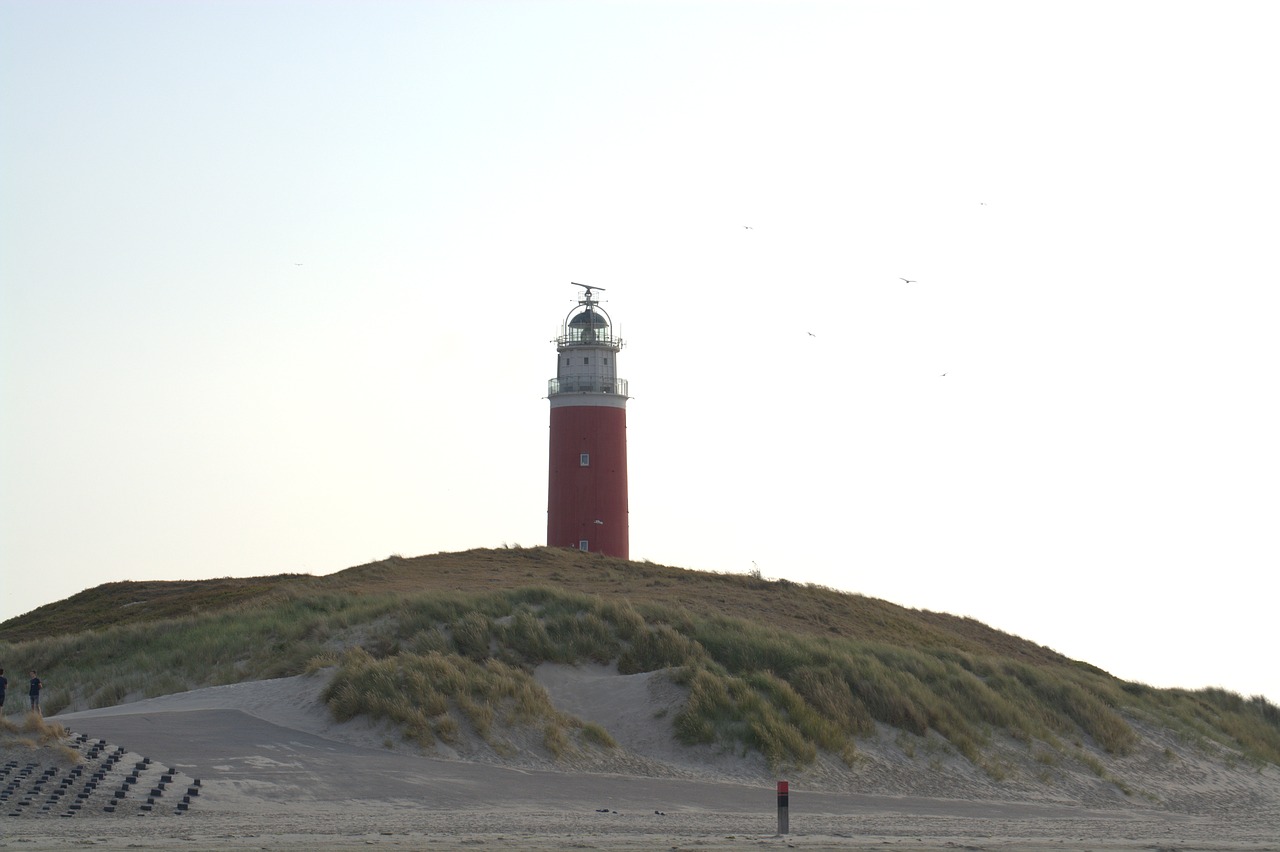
587,480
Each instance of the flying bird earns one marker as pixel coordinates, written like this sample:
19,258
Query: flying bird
909,280
811,334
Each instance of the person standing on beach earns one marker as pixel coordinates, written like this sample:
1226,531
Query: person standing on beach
4,684
35,691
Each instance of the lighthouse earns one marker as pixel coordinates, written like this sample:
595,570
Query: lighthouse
587,477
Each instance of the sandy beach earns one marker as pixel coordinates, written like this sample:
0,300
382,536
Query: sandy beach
263,766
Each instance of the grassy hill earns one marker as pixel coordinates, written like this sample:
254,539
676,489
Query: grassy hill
443,646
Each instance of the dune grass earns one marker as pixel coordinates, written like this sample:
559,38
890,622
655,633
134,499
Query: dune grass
428,696
432,661
32,731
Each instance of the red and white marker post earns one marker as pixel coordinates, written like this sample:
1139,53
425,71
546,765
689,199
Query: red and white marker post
784,805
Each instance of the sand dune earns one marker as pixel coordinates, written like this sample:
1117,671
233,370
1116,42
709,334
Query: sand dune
275,771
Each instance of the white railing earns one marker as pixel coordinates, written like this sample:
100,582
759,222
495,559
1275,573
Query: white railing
595,337
587,384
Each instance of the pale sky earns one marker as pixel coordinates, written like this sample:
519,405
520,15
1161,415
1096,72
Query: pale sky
278,282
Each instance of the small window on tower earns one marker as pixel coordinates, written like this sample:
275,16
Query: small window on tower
566,362
582,544
606,362
586,360
584,460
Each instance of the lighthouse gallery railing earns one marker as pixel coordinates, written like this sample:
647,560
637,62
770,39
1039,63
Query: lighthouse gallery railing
587,384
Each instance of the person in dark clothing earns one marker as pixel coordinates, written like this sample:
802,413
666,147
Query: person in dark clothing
35,691
4,684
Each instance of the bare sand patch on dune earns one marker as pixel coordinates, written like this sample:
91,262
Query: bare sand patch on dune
638,711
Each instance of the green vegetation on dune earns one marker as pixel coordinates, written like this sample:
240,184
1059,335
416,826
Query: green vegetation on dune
134,602
425,694
460,651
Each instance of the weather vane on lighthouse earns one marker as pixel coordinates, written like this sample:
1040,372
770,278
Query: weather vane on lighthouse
587,475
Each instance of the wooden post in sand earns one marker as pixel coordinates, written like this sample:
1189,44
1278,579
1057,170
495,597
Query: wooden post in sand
784,805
